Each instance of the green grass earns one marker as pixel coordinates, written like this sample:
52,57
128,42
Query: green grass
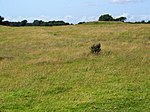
46,69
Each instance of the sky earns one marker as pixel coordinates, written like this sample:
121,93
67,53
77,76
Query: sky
73,11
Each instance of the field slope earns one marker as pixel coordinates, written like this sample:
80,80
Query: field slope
46,69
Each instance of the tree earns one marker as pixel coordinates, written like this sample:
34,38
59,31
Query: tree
122,19
23,23
106,17
36,23
81,22
143,21
1,19
6,23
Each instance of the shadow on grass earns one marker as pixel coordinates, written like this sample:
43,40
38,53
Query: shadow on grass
5,58
57,90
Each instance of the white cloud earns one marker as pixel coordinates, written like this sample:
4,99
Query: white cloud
124,1
91,4
73,19
139,18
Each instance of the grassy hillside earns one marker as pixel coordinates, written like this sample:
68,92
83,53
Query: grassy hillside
46,69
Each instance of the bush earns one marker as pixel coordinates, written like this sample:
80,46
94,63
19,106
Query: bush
96,48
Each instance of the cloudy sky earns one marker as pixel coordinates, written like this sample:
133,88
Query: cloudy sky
73,10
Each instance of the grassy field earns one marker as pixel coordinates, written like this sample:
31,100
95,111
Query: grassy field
47,69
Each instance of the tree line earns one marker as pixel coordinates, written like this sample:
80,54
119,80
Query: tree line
108,17
34,23
105,17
